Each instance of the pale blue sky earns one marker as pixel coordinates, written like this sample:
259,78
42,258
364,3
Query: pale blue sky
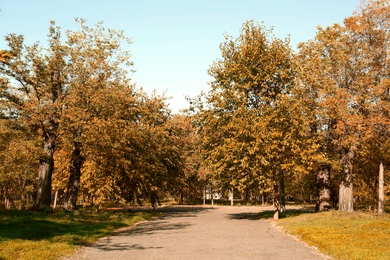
174,41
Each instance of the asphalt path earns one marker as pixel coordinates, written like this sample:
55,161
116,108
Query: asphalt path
202,233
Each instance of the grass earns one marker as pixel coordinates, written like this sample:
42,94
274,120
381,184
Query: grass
33,235
356,235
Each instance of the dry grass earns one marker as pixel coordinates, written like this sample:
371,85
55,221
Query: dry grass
355,235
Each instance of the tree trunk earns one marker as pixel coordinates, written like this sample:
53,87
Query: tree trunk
282,196
76,162
232,198
8,198
23,191
262,198
212,196
323,186
276,201
204,195
381,197
45,172
181,199
346,184
55,199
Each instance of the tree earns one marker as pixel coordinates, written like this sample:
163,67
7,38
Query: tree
184,138
370,26
346,66
18,163
251,124
98,67
36,84
56,92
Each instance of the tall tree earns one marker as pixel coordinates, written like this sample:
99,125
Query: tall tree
98,66
334,61
59,90
36,85
347,68
251,124
369,27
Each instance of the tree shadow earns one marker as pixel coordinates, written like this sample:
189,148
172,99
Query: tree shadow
40,229
289,213
38,226
171,211
245,216
153,226
161,223
268,214
109,246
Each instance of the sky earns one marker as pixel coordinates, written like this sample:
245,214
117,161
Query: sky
174,41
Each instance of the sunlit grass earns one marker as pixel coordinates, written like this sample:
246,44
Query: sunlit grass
32,235
355,235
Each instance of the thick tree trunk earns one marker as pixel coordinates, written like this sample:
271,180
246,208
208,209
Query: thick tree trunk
45,172
346,184
276,201
76,162
381,197
323,186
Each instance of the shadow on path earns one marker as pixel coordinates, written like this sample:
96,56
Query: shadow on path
162,223
109,246
176,211
153,226
267,214
245,216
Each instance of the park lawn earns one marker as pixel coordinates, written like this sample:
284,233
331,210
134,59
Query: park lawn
355,235
34,235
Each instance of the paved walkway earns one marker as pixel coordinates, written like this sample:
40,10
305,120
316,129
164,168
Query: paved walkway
201,233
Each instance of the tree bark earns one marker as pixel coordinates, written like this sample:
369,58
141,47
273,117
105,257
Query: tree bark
381,195
55,199
45,172
76,162
323,186
282,196
346,184
232,198
204,195
211,196
276,201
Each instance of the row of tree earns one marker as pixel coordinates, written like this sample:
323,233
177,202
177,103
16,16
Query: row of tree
274,115
69,112
274,120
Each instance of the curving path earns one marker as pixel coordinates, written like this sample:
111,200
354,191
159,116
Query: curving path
202,233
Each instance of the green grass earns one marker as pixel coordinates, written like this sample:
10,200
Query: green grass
33,235
355,235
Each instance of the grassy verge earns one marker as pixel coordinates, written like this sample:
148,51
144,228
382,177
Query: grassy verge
355,235
32,235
